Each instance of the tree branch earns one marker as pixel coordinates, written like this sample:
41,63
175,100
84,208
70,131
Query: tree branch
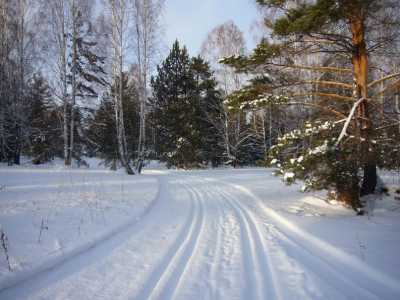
383,79
328,95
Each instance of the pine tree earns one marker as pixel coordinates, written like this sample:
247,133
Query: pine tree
185,101
172,109
340,38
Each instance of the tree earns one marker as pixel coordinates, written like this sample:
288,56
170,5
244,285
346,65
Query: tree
102,127
171,108
86,67
58,25
17,49
340,37
209,107
184,99
5,77
119,24
227,40
41,121
146,19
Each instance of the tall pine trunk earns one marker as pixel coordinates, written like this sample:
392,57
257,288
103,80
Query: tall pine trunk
360,67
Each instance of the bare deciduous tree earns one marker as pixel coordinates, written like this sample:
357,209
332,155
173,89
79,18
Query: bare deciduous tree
223,41
59,20
146,22
119,21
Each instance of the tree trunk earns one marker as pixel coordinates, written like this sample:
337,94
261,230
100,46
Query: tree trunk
226,135
63,58
349,196
121,129
360,66
73,101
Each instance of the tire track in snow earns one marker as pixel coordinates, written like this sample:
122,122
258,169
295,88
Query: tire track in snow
262,284
165,280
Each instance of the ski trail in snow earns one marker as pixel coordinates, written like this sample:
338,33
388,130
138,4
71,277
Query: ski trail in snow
358,284
213,256
78,258
262,284
73,185
165,280
207,238
217,255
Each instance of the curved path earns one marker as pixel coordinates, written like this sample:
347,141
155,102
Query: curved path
207,238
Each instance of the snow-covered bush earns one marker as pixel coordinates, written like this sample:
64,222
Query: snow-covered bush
311,155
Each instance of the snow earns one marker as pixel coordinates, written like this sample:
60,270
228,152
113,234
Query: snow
288,175
49,215
168,234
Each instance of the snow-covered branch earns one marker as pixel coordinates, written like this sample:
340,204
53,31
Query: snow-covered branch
347,123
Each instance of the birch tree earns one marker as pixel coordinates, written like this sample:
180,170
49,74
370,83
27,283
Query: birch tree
227,40
146,23
16,49
5,49
119,24
59,22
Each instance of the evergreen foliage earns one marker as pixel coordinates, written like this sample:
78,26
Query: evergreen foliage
102,125
42,125
341,33
88,65
184,99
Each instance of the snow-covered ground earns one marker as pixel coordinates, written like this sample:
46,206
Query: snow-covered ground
215,234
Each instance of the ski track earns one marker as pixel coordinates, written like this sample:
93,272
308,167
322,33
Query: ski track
164,282
200,247
217,254
312,261
262,283
104,244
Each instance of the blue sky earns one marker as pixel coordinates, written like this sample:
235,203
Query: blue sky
189,21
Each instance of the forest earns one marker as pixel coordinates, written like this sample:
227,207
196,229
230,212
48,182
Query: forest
317,99
192,150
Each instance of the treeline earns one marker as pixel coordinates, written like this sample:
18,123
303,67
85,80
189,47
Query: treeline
77,81
332,69
318,98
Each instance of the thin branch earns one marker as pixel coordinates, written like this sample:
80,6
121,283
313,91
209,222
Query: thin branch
383,79
324,108
314,68
393,86
324,82
328,95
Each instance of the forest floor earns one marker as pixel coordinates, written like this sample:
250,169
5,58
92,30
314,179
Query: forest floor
213,234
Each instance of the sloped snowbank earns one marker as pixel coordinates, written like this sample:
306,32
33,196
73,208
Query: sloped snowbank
50,214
